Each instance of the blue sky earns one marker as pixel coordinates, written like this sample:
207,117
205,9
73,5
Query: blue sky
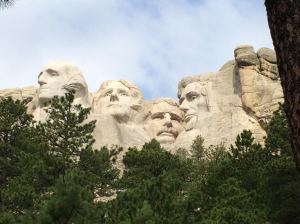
153,43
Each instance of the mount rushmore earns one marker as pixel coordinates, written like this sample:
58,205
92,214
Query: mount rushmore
242,95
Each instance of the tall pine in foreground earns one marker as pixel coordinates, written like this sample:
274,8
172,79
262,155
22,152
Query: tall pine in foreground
66,132
282,180
50,167
81,173
16,146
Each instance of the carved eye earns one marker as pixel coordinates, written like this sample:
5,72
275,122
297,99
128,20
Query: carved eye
124,94
54,73
107,94
175,117
193,97
158,116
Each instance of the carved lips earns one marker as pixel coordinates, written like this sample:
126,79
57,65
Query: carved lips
168,132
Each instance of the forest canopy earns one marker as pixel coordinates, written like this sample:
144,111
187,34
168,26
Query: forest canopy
50,173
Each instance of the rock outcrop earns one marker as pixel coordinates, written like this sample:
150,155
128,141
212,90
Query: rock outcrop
25,93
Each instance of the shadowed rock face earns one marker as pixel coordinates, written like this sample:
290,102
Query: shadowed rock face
259,81
242,95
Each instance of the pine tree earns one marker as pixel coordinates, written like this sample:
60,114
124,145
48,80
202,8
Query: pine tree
14,125
197,148
153,187
70,201
282,181
16,135
235,205
66,132
34,156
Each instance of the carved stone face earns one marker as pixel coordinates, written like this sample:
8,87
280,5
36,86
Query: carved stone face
51,83
57,78
193,101
165,122
115,100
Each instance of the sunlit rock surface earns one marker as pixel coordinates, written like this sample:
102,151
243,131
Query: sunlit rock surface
242,95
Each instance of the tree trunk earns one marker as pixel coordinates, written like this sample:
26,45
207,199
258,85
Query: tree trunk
284,23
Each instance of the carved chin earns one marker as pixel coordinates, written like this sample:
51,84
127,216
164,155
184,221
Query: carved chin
166,138
116,110
46,94
121,114
45,97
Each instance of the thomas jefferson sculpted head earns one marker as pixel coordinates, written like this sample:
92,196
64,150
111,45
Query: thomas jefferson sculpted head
117,98
57,78
164,120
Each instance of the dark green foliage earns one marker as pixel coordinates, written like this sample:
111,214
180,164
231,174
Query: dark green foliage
51,174
50,167
282,179
70,202
99,174
197,149
235,205
16,137
154,181
66,132
151,161
227,191
278,133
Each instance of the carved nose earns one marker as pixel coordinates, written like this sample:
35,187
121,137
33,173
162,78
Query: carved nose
41,80
183,106
41,83
114,97
168,121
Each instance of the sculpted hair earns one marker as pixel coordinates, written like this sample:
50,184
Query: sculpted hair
75,79
185,81
202,82
170,101
201,79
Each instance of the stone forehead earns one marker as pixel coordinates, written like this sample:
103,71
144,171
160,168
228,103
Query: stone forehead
72,72
135,91
172,106
169,101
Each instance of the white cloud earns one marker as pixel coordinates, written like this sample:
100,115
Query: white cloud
151,43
